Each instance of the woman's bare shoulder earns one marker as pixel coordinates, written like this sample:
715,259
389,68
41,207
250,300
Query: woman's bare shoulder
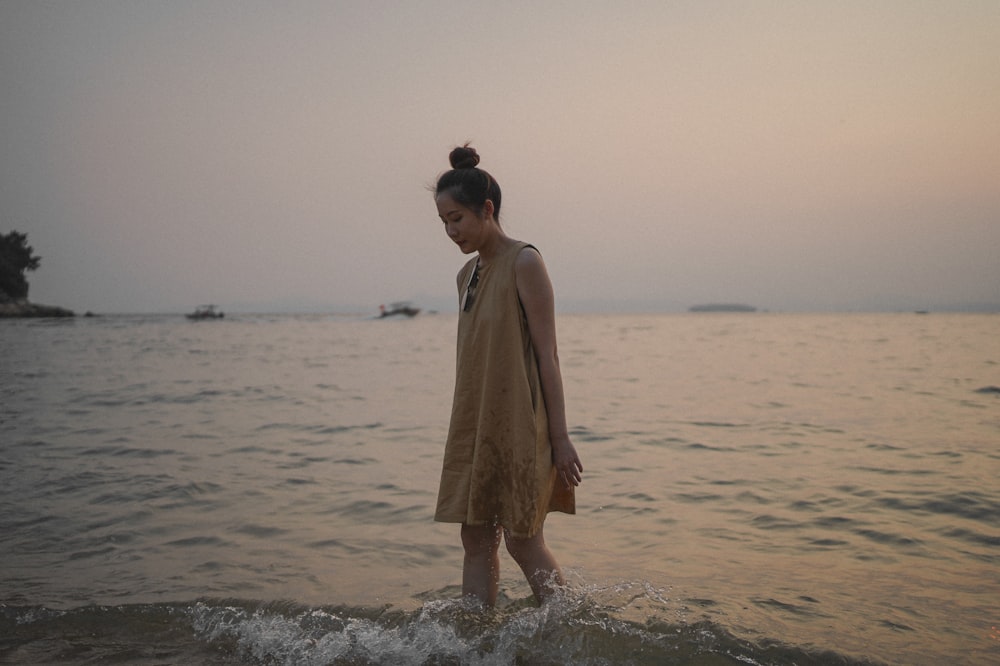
529,257
530,272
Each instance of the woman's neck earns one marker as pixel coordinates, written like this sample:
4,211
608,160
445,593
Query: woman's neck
496,243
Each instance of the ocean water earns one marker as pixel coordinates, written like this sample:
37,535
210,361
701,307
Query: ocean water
758,489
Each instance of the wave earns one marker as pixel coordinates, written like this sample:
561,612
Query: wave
627,623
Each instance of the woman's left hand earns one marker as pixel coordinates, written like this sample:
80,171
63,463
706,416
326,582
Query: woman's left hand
566,461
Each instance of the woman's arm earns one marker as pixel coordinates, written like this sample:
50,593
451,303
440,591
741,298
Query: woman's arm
535,291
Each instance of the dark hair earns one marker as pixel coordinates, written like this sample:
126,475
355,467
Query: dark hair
468,185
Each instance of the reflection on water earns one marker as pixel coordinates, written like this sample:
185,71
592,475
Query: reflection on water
827,482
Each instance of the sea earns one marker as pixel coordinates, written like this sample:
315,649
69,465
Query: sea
759,488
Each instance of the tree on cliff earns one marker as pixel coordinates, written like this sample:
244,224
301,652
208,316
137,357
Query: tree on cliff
16,258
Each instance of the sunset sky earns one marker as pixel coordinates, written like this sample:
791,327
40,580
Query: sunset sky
276,156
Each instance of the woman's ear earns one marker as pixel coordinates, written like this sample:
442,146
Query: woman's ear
488,209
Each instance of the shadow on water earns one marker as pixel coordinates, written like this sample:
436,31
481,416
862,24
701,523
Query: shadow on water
628,623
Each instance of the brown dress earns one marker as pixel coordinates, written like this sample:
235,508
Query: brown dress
498,458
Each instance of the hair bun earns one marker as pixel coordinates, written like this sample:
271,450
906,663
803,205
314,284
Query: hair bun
464,157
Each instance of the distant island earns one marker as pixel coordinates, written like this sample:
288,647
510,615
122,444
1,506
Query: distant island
16,258
722,307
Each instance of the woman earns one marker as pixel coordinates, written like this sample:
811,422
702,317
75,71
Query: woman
508,459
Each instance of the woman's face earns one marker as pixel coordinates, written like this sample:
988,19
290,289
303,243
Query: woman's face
463,226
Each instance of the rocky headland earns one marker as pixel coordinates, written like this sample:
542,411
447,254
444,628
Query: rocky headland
16,259
22,307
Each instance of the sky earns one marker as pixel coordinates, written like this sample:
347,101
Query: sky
277,157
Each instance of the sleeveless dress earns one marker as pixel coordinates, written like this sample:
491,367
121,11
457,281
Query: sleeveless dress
498,459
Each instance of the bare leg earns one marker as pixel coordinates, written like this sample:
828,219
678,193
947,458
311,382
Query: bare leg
537,563
481,570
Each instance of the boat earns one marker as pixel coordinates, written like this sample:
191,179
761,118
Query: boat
206,312
722,307
398,309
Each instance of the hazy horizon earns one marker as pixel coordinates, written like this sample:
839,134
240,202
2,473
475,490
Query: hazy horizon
793,156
